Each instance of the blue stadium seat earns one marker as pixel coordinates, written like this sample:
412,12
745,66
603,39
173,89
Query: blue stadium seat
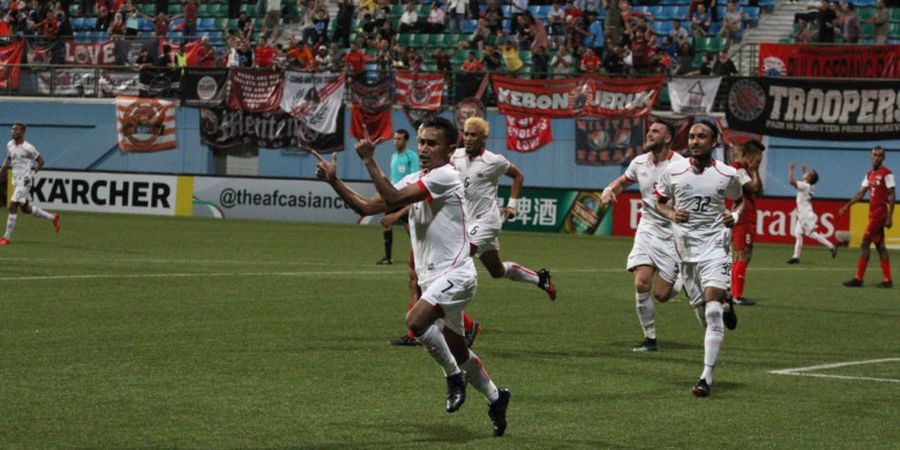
176,24
676,2
206,24
752,13
545,11
77,23
682,13
767,5
668,13
720,11
145,25
714,29
507,10
661,27
655,11
89,23
469,26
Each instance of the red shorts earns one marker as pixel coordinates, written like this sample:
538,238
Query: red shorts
742,236
875,231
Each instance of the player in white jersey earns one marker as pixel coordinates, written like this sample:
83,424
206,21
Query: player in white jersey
807,221
481,171
25,162
692,194
654,248
446,272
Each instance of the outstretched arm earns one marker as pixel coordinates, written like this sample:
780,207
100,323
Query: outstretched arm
393,197
327,171
791,180
618,185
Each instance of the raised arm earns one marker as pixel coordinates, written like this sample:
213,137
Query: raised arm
791,180
327,171
393,197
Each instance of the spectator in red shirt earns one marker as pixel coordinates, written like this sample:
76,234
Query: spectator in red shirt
355,60
472,64
264,54
590,62
206,55
191,8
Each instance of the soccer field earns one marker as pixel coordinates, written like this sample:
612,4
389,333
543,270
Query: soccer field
132,331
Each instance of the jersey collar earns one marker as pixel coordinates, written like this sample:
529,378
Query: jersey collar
481,153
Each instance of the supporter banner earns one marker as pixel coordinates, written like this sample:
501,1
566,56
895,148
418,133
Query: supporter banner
776,220
145,125
373,97
693,95
838,61
84,82
225,128
159,82
415,117
204,87
255,90
270,199
823,110
91,54
558,211
378,124
527,133
420,90
592,95
128,50
467,85
41,53
608,142
10,58
111,193
314,98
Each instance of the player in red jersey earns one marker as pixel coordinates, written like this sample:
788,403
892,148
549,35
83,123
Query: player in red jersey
746,161
879,182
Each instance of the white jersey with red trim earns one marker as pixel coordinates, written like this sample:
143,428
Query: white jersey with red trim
702,193
643,171
437,226
481,177
22,159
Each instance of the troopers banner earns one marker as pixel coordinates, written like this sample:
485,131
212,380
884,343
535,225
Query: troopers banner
823,109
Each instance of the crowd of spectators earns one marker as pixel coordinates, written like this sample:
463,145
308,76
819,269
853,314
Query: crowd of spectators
828,22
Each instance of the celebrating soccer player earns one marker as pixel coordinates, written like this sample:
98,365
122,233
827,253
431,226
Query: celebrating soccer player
806,218
25,162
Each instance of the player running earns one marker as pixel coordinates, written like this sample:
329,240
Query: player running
807,221
880,183
25,162
692,194
654,247
481,171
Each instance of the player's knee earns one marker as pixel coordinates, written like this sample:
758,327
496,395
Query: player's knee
662,295
641,284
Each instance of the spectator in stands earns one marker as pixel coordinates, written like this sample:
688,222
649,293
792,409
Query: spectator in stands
143,60
244,26
337,57
827,21
684,59
540,63
442,61
472,64
494,17
48,26
320,26
578,30
165,57
562,65
511,57
851,24
457,10
191,13
556,19
804,34
539,36
519,7
525,34
481,35
731,24
300,55
880,22
355,60
323,59
181,60
643,46
614,59
160,23
596,35
117,27
398,57
414,61
724,66
706,67
590,62
711,6
366,30
206,54
491,58
382,13
264,54
344,22
409,19
435,21
679,34
104,19
700,22
306,17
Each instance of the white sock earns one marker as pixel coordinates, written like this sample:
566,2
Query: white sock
479,378
516,272
645,309
10,224
715,333
38,212
798,245
436,346
821,239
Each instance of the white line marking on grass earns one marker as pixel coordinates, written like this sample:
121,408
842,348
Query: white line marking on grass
802,371
192,275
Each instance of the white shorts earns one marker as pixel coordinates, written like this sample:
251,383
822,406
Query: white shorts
651,250
22,190
806,224
453,291
713,273
484,237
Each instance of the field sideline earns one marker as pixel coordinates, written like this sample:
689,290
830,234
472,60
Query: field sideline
135,331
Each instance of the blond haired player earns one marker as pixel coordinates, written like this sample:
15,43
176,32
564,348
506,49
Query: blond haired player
25,162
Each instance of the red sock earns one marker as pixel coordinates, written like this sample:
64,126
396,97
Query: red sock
738,271
861,268
886,269
468,322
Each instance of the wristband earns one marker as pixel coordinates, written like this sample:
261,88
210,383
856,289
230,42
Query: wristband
513,203
735,216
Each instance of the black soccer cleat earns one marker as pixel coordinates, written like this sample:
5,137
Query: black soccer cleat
649,345
470,335
793,261
729,316
701,389
853,282
497,412
404,341
834,252
456,391
744,301
384,261
886,284
545,283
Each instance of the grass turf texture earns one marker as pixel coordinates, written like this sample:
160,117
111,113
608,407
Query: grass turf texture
126,331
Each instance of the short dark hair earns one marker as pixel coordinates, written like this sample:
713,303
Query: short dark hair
815,177
451,134
20,124
403,133
668,126
754,145
711,126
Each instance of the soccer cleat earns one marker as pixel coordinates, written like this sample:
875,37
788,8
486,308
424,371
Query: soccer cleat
497,412
729,317
744,301
4,241
649,345
456,391
56,223
701,389
545,283
472,334
793,261
384,261
886,284
404,342
834,252
853,282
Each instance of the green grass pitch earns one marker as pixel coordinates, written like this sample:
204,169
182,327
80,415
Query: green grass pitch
128,331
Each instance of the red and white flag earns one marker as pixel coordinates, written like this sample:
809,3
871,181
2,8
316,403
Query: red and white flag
145,124
527,133
10,58
419,90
